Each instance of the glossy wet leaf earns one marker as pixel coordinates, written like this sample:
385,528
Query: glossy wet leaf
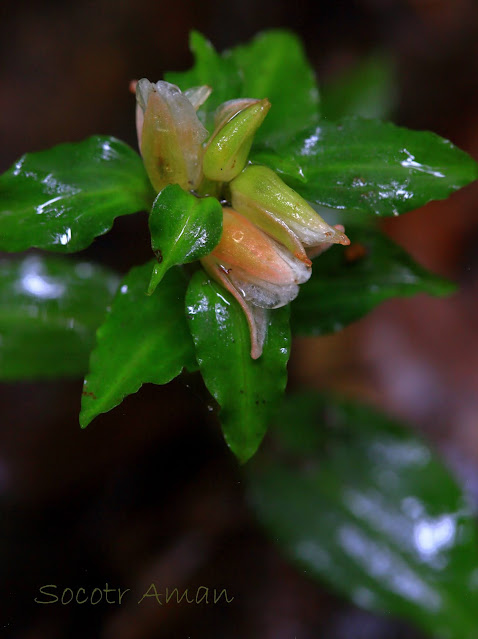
368,89
62,198
183,228
211,69
247,390
274,66
143,339
347,283
371,167
50,309
365,506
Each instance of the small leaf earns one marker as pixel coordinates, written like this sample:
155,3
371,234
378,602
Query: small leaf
368,89
143,339
211,69
371,167
364,505
348,283
50,309
62,198
247,390
274,66
183,229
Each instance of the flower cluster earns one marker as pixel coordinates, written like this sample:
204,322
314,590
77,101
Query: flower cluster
270,233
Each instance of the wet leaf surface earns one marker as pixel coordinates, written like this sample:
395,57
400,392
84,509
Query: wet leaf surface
62,198
363,504
50,309
183,228
369,166
248,391
143,339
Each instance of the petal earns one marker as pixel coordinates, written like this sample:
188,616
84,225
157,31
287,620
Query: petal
198,95
318,249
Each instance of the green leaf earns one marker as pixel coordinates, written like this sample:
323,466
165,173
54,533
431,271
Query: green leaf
50,309
210,68
183,228
371,167
274,66
364,505
368,90
348,283
247,390
62,198
143,339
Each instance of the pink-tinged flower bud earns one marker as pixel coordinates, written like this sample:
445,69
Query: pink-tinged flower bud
259,272
259,194
170,134
227,151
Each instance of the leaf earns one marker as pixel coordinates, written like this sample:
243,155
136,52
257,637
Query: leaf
143,339
62,198
364,505
274,66
348,283
371,167
247,390
368,89
50,309
210,68
183,228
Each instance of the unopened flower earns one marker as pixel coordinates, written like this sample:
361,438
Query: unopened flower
170,135
261,196
236,124
270,233
257,270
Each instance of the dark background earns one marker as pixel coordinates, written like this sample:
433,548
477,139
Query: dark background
149,492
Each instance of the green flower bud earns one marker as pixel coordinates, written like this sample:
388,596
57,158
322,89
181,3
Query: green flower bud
259,194
227,151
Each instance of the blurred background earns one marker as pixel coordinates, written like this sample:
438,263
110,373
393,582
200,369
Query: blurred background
149,492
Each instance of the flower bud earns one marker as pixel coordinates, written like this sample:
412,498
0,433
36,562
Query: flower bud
256,270
259,194
170,134
227,151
